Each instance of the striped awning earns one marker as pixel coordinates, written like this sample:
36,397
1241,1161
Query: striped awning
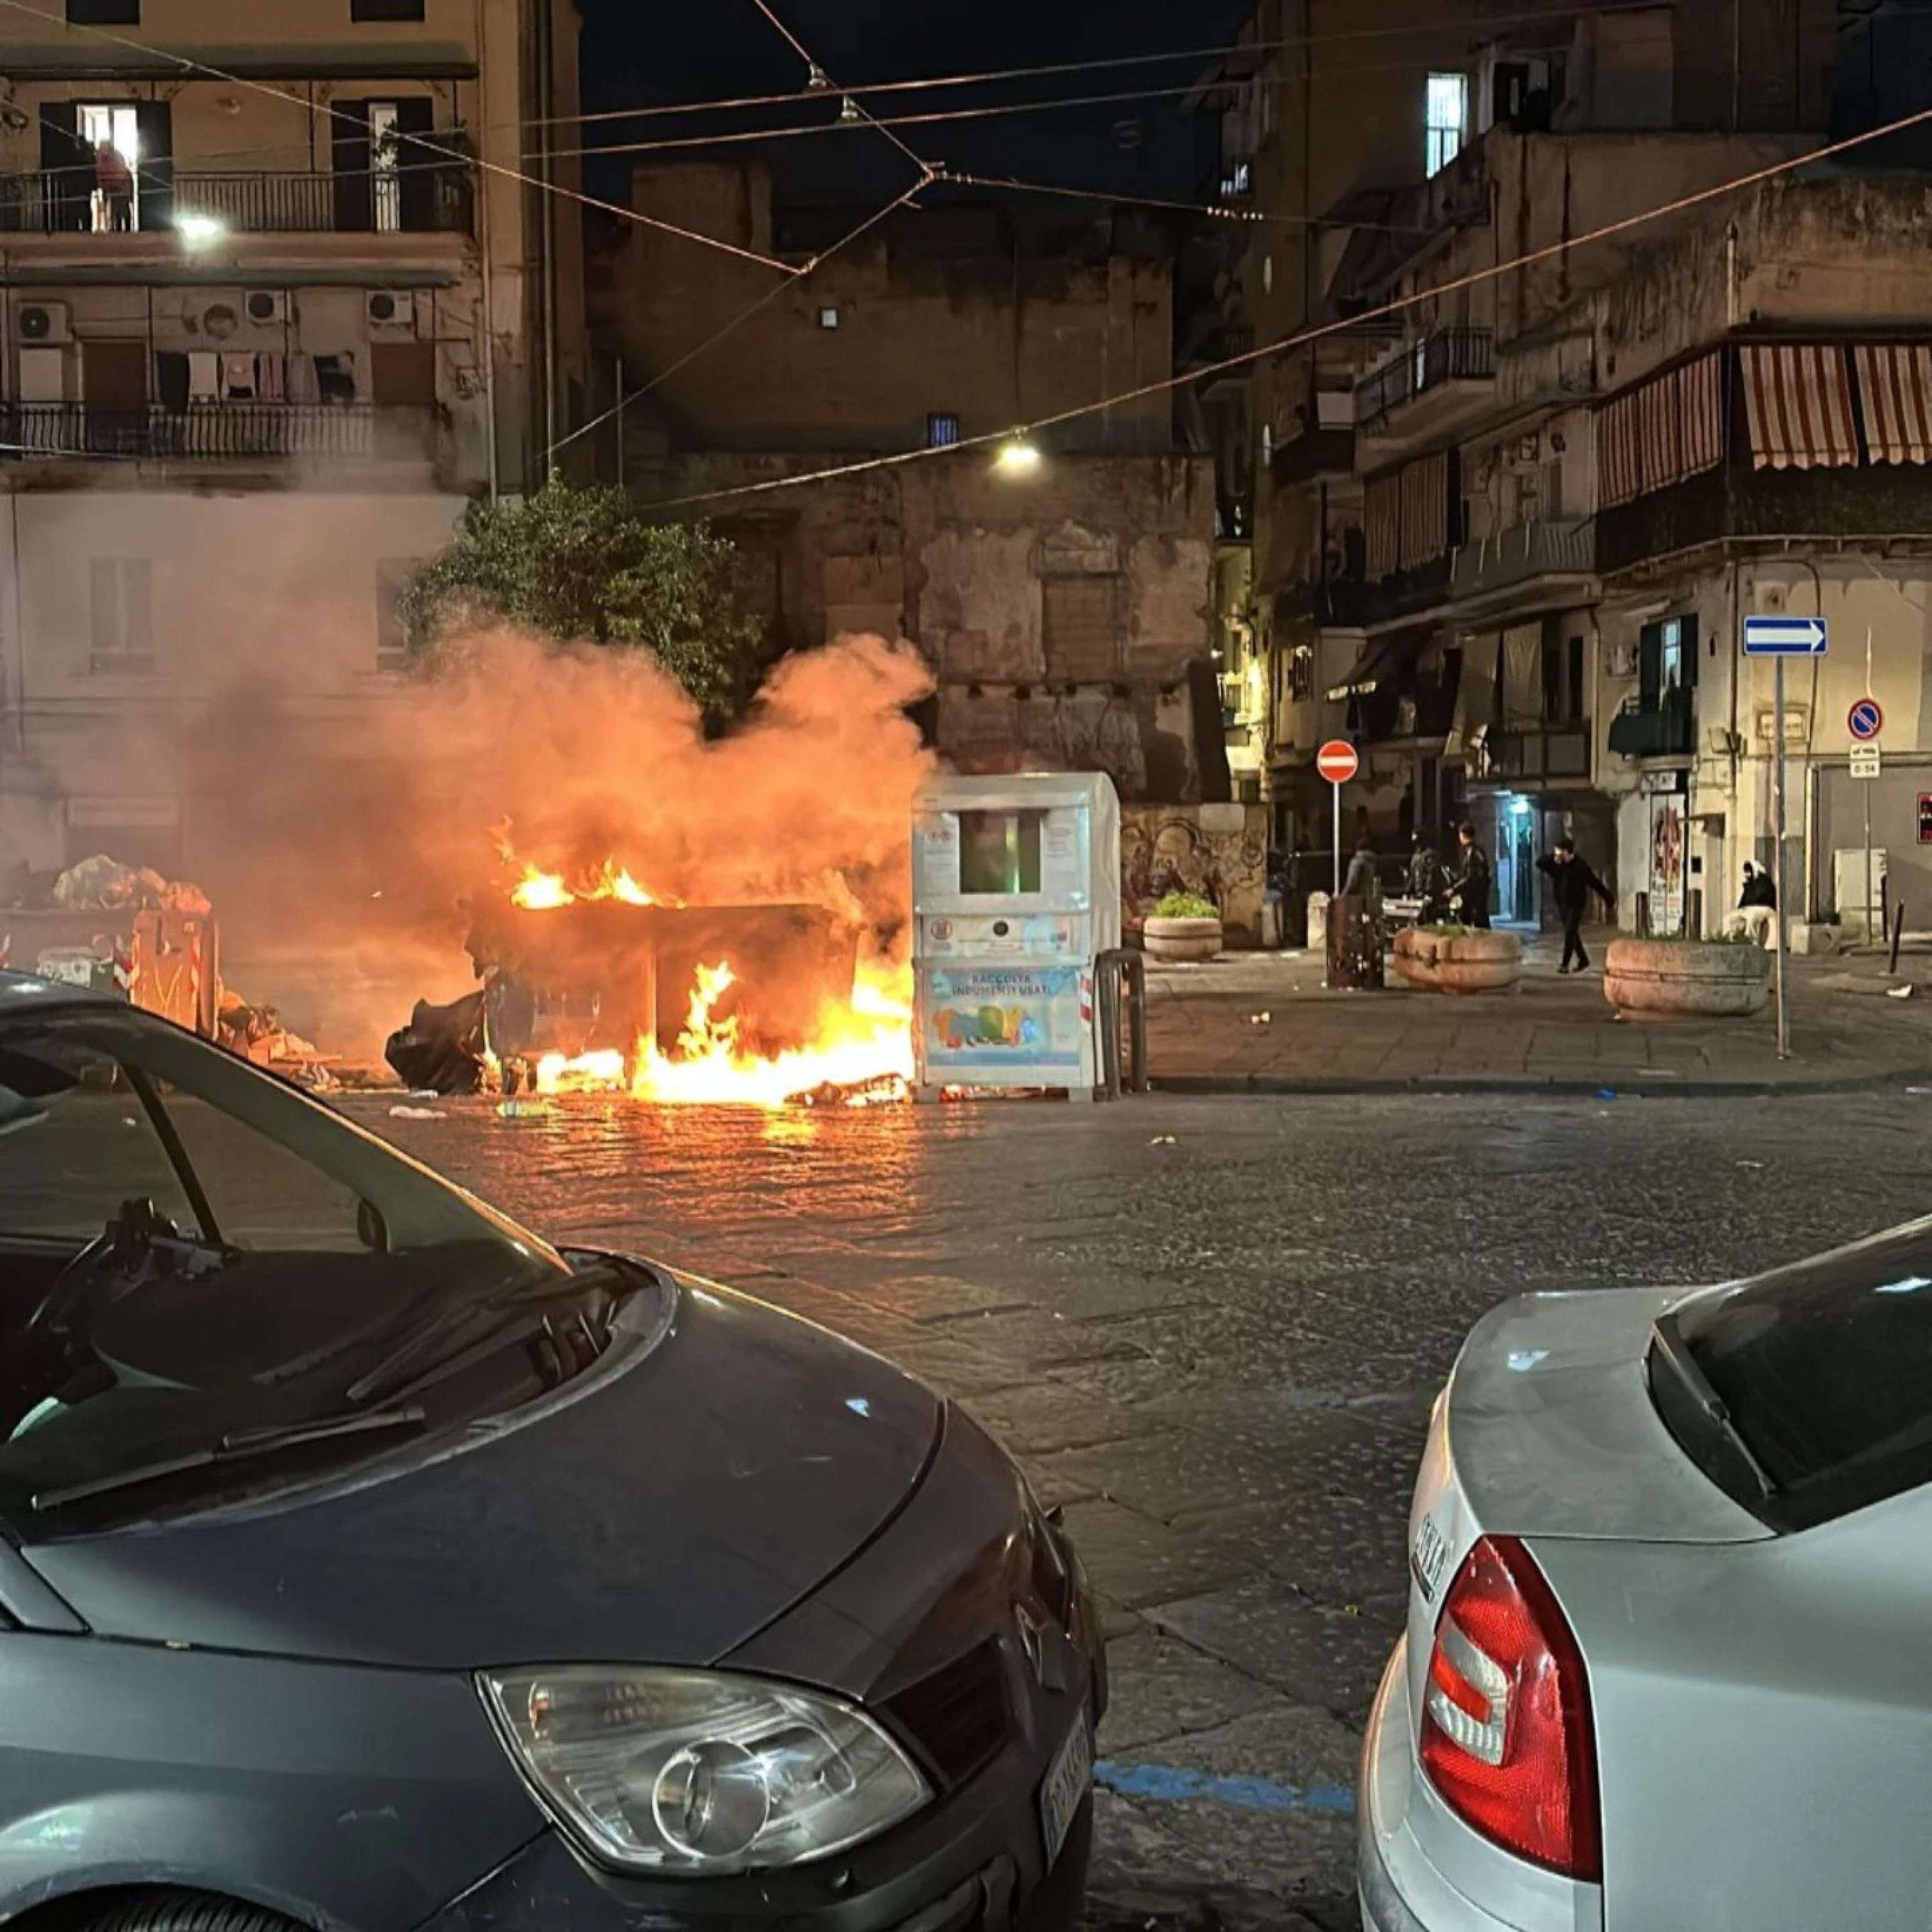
1895,386
1799,397
1405,515
1661,432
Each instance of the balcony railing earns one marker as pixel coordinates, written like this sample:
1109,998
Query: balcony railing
1665,730
1450,355
1557,547
216,430
244,202
1554,751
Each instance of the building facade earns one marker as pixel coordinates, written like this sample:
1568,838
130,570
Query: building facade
277,304
1064,607
1426,577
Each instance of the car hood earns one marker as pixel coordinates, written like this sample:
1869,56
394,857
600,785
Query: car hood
664,1510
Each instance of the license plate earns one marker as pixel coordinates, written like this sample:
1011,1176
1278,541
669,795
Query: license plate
1427,1558
1065,1790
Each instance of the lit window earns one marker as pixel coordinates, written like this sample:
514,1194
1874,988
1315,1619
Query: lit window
942,431
828,318
1448,117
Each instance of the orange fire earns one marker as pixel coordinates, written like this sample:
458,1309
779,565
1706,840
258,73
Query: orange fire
862,1053
539,891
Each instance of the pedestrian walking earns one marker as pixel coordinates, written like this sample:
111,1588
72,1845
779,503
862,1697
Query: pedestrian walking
1572,880
1475,883
1363,882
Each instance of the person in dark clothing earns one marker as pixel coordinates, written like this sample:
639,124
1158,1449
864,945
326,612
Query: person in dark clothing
1474,883
1362,882
1759,890
1572,880
1756,915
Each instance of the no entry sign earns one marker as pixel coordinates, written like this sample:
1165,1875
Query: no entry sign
1336,761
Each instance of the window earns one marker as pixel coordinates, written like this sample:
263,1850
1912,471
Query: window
1077,627
1666,662
828,316
1819,1367
999,851
103,13
392,632
942,431
386,10
121,593
1447,118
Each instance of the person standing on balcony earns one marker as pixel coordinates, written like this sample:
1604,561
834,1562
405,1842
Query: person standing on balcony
114,181
1572,880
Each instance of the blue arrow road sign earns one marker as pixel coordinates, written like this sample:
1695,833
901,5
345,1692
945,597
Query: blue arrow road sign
1866,720
1784,637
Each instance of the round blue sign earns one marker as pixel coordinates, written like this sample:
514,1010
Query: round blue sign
1866,721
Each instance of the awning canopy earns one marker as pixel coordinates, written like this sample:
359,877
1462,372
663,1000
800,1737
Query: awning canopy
1798,396
1381,657
1895,383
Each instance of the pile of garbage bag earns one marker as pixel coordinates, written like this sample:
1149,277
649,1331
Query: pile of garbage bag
102,884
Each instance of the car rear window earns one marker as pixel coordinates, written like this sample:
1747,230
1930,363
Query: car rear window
1823,1368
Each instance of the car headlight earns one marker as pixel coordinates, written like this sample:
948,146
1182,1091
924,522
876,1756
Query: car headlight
696,1773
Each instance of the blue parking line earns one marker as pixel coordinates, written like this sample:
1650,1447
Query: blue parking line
1173,1784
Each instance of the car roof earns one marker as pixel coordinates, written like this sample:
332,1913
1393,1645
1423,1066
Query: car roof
18,990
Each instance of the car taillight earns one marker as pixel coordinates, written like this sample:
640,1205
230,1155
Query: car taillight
1506,1727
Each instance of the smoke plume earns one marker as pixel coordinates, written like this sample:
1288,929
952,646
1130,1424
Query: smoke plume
341,870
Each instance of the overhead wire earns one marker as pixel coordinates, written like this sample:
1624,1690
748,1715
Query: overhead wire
1221,211
1098,64
928,173
1247,359
205,70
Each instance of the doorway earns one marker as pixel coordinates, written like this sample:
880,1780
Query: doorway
112,208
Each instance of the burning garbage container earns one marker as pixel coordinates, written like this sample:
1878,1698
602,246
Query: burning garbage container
1016,891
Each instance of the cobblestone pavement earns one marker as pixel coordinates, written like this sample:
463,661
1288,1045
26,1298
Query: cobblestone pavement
1265,1022
1212,1328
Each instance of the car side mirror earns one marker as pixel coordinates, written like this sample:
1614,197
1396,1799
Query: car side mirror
371,1230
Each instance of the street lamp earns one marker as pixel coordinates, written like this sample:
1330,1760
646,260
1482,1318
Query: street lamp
1019,457
199,231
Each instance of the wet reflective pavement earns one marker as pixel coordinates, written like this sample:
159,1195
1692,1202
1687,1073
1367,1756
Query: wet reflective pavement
1212,1328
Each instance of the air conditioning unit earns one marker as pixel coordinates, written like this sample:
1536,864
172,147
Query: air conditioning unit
266,305
43,322
392,309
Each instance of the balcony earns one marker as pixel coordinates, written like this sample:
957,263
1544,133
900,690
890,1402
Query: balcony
1551,754
1428,386
216,432
1562,547
243,202
1666,729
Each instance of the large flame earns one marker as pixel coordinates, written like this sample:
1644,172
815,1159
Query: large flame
539,891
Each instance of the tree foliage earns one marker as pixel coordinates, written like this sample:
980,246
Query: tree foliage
575,564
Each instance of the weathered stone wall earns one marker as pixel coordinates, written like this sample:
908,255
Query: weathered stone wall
1219,851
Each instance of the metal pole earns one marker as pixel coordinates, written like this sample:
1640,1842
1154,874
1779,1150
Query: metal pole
1867,791
1335,891
1778,815
620,422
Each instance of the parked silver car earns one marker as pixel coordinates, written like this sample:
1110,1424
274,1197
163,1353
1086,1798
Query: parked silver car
1666,1661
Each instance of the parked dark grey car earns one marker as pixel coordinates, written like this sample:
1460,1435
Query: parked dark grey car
367,1563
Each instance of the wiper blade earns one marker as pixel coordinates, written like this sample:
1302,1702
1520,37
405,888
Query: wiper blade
387,1377
1668,1345
236,1447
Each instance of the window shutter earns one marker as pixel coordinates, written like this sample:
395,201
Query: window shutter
354,195
1690,647
417,165
66,164
1650,666
154,126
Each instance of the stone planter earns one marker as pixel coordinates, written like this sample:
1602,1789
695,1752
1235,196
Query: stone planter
1466,962
1180,938
1663,979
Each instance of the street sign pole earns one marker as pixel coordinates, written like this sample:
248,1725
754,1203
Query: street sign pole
1781,917
1335,891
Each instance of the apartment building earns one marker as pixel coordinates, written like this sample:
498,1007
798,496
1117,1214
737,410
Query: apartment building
1425,470
281,295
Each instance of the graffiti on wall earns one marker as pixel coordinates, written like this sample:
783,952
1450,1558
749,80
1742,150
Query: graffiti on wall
1217,851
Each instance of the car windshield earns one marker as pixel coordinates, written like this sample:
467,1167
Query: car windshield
195,1258
1819,1369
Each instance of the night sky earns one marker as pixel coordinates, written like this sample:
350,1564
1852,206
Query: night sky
635,54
